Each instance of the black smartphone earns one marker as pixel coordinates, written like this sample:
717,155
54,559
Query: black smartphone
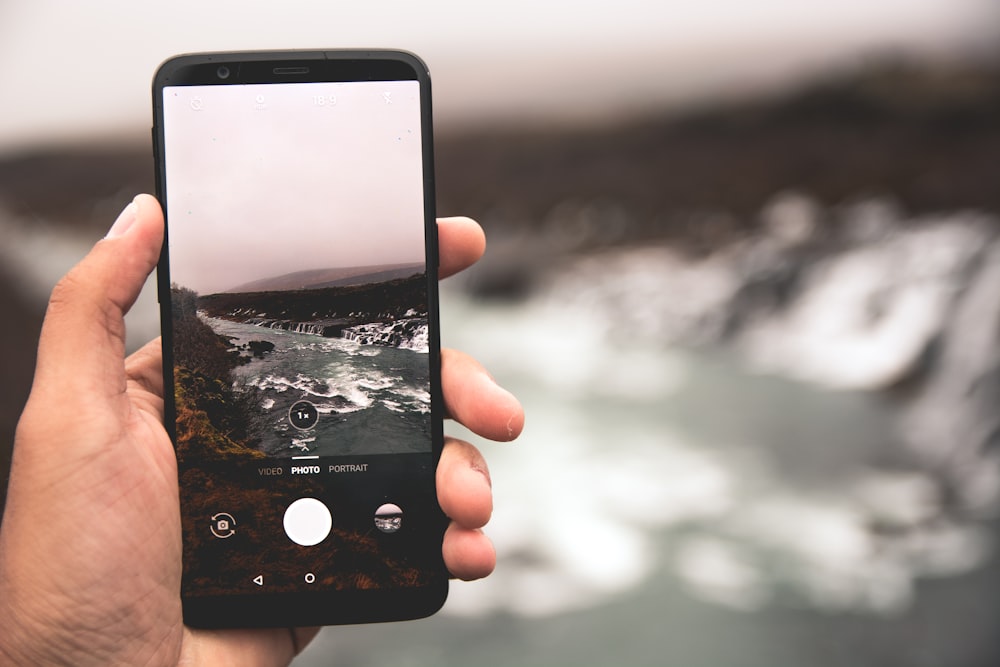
298,298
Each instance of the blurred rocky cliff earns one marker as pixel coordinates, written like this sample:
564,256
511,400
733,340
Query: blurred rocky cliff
844,233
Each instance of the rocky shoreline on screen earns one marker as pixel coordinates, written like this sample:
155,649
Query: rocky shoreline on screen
389,313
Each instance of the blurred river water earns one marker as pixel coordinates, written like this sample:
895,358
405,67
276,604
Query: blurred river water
731,460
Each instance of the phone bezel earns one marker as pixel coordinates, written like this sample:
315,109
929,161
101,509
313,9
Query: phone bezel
313,607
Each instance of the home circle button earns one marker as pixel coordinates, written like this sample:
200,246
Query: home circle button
307,522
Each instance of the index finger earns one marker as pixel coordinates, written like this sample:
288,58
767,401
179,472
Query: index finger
461,243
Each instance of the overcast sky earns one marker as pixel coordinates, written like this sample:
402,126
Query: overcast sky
82,69
263,181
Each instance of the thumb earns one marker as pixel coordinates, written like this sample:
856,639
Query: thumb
82,343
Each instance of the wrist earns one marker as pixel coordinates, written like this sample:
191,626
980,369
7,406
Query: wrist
34,634
11,632
28,641
15,639
23,638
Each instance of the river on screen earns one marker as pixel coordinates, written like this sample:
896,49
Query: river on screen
371,399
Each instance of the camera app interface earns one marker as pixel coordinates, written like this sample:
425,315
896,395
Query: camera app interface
299,333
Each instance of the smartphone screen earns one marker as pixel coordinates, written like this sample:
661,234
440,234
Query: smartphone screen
298,296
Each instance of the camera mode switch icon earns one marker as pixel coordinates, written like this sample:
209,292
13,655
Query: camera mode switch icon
223,525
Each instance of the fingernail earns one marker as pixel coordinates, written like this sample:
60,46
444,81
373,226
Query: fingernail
124,221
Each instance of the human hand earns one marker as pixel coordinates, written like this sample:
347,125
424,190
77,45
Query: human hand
90,544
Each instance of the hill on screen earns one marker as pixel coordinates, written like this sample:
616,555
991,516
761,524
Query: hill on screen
339,277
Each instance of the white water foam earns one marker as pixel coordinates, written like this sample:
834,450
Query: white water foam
419,342
407,334
413,398
302,443
392,405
